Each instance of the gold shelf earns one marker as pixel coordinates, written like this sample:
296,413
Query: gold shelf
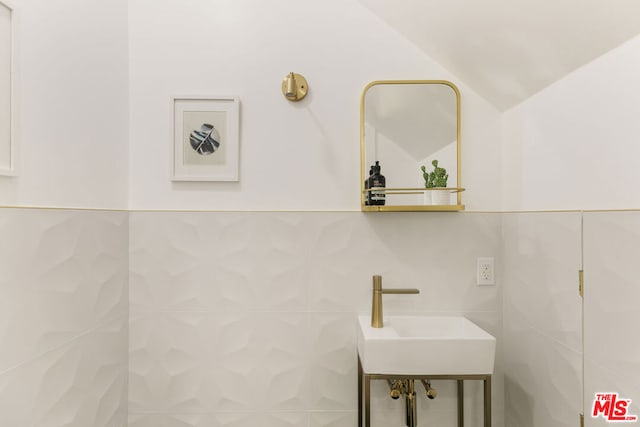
412,190
412,208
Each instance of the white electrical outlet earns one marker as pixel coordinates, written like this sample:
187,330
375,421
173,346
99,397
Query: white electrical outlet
485,272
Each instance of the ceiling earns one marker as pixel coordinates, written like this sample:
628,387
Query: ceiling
507,50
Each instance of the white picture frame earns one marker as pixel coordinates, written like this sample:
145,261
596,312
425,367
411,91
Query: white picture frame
206,145
7,90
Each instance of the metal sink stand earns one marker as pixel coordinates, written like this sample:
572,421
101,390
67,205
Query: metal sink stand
364,392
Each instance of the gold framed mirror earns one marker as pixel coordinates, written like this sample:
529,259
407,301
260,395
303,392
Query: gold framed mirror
404,125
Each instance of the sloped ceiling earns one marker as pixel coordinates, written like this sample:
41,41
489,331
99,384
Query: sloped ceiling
507,50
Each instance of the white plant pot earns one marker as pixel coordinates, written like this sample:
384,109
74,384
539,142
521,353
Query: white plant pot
427,197
440,197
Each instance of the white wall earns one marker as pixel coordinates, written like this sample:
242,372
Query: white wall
64,281
574,144
72,105
250,318
63,318
73,120
307,154
542,319
611,312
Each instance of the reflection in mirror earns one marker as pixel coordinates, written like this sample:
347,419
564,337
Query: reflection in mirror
407,124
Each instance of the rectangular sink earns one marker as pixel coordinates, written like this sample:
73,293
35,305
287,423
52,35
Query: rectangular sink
424,345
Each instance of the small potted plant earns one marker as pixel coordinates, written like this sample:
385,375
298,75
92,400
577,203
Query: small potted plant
428,183
436,179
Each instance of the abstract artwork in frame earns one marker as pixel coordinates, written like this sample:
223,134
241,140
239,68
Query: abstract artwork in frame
205,138
7,128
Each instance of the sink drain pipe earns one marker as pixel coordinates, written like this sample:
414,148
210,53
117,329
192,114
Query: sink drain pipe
398,388
410,404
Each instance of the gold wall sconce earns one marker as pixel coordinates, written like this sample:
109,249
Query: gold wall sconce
294,87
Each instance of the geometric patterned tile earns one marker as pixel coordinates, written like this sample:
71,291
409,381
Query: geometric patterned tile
286,419
235,319
64,273
232,262
333,419
333,366
542,340
82,383
305,261
255,311
543,379
199,361
542,259
612,292
63,317
228,419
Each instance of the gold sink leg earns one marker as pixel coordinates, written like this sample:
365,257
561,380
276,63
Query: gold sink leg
367,401
359,392
487,401
460,403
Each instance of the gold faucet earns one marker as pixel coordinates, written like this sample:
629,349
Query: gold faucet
376,305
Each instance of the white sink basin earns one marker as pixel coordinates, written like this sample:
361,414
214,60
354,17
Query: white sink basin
425,345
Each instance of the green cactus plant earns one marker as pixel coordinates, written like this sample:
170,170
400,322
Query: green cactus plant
428,183
437,178
440,175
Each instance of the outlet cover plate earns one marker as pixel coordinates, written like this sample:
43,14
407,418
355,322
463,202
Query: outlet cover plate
485,273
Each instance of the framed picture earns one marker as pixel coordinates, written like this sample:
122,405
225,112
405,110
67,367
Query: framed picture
7,128
205,138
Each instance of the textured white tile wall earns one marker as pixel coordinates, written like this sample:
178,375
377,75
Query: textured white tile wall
542,319
63,318
242,319
611,307
248,318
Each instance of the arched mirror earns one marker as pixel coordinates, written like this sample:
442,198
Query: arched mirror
406,125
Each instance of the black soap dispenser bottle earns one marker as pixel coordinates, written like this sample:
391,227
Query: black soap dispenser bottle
367,182
377,183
